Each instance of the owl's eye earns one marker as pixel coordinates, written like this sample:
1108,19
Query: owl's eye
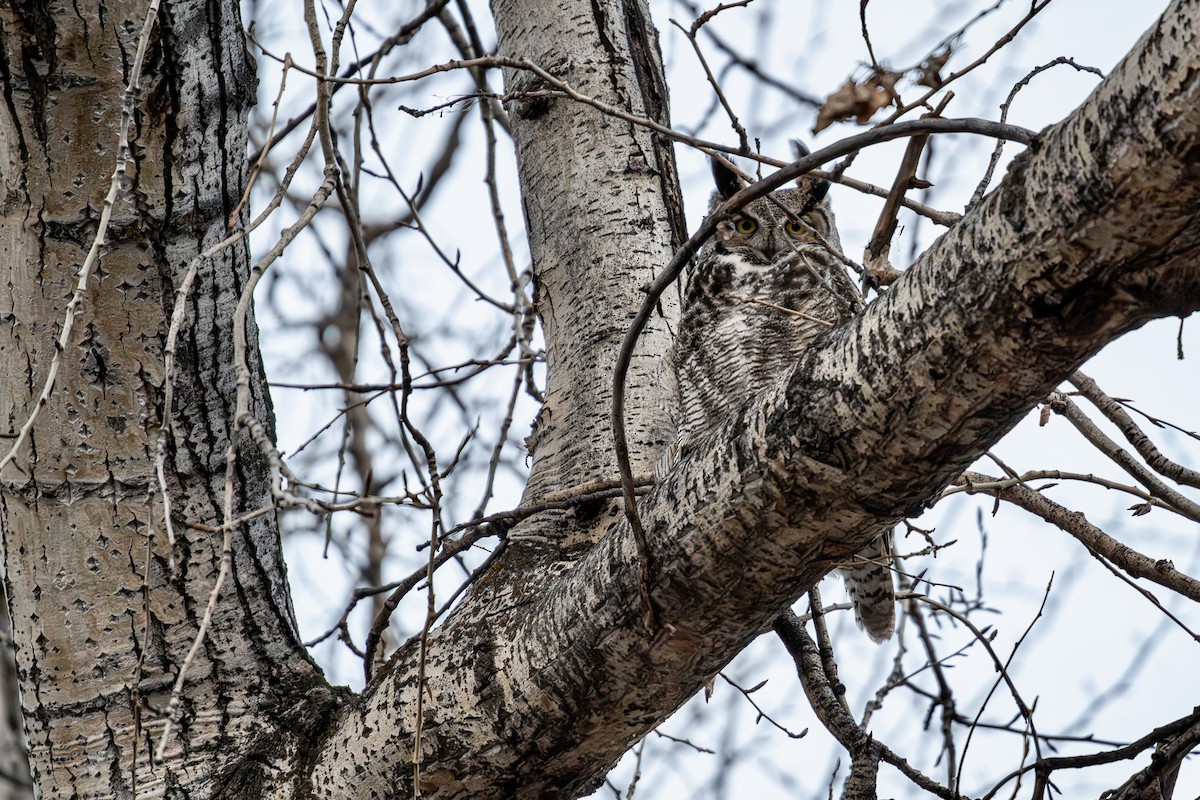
794,227
745,226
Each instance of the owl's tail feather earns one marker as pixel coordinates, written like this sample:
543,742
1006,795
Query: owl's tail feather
869,582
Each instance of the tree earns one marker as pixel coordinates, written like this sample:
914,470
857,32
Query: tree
143,562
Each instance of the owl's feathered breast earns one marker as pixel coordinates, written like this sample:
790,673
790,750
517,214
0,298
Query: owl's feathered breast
766,287
755,300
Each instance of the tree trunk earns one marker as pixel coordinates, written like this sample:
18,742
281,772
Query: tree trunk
101,622
15,781
616,184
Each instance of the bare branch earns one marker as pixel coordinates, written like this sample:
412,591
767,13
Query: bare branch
833,715
1160,571
1132,431
1125,460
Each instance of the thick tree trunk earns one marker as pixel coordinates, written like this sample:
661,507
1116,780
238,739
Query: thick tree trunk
604,212
100,640
536,690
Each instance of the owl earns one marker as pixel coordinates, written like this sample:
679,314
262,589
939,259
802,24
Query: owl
767,285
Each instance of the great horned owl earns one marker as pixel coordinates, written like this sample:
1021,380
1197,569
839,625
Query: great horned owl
760,292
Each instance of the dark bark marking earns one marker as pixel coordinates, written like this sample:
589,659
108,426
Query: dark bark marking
601,18
38,47
643,51
7,80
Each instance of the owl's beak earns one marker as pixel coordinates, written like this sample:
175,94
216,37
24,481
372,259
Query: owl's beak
771,248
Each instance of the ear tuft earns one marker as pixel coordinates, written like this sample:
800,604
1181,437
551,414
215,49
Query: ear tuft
727,181
819,190
820,187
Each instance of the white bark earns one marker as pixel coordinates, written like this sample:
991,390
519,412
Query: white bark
80,500
604,214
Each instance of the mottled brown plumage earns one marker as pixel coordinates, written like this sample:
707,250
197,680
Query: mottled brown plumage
763,289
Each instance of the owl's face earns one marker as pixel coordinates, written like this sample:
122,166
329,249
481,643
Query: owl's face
782,250
778,227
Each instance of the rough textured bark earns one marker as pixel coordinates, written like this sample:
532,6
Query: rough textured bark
604,214
536,692
79,503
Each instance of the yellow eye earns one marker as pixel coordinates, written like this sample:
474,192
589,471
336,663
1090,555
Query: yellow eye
745,226
794,227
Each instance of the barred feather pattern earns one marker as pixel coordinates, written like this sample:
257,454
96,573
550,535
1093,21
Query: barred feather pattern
871,589
763,289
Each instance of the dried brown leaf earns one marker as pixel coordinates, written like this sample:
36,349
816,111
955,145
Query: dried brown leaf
930,72
858,101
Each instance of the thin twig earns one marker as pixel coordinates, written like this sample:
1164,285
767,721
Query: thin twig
967,485
1160,571
833,716
400,37
1003,670
791,312
1018,86
1129,751
758,709
739,129
879,270
1111,409
1035,7
1167,496
1025,710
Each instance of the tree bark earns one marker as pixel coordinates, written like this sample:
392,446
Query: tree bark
538,689
604,212
100,621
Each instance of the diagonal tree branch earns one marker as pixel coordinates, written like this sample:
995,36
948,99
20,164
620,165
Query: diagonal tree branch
1139,565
